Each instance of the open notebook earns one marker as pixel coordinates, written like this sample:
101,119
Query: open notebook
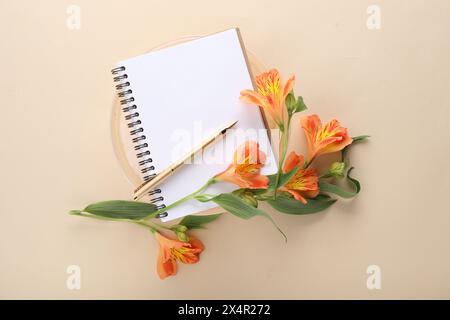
176,97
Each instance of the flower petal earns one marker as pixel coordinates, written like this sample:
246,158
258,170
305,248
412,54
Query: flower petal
311,123
293,160
298,196
338,145
249,153
196,244
288,86
252,97
165,267
245,169
311,193
258,182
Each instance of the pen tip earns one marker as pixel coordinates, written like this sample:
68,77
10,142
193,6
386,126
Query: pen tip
231,125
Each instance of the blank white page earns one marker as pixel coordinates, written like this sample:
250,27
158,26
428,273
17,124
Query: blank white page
185,93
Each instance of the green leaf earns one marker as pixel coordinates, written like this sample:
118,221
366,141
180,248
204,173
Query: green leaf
355,182
247,196
360,138
198,222
300,105
284,178
332,188
241,209
355,140
121,209
256,192
291,102
286,204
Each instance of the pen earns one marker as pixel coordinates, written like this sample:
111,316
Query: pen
148,185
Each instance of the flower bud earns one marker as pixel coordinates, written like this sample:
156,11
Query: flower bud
182,236
179,228
291,103
180,232
337,169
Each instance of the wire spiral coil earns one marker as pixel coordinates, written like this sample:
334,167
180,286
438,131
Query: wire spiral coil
130,110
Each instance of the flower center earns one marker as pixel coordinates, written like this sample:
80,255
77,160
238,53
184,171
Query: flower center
269,86
248,168
178,254
298,182
327,132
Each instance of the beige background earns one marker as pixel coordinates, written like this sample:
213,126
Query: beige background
56,151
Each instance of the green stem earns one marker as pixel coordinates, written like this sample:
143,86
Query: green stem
308,163
184,199
282,155
141,223
210,195
325,176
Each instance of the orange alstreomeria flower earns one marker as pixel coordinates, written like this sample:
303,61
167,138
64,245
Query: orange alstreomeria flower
245,169
270,95
305,181
172,250
329,138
